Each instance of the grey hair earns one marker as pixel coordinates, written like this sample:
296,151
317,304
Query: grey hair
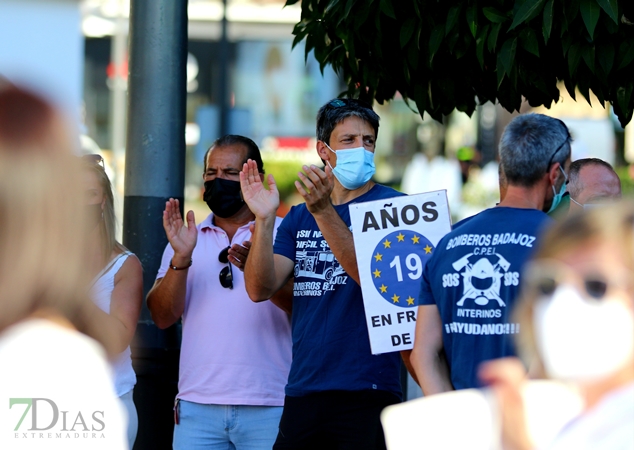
575,186
530,144
336,110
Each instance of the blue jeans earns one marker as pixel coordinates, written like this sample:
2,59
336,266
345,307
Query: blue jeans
225,427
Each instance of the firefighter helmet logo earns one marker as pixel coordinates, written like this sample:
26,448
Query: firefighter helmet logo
482,280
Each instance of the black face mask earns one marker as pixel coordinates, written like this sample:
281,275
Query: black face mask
223,197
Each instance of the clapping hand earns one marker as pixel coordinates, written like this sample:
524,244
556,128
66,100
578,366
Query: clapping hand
182,238
316,188
238,254
262,202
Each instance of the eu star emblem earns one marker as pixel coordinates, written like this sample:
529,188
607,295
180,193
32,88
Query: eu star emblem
397,266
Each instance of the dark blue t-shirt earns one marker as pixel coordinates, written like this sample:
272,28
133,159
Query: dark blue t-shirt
331,346
473,278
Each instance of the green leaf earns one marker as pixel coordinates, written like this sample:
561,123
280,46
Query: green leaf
626,54
493,37
571,9
570,87
290,2
623,96
420,98
472,18
452,18
499,69
588,56
331,6
585,90
574,57
528,38
590,13
361,17
388,9
462,46
596,90
435,39
606,57
611,8
507,54
548,20
407,30
416,9
566,42
413,54
452,39
349,6
494,15
480,43
528,10
418,33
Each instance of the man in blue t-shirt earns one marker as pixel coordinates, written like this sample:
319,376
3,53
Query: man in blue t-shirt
470,283
336,387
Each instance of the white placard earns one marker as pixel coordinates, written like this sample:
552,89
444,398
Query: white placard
393,239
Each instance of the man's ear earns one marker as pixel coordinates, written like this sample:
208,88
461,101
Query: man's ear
553,173
323,151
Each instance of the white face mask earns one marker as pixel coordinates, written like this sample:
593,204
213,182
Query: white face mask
582,340
587,206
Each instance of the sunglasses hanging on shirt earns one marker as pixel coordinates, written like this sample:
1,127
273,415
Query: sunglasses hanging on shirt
226,274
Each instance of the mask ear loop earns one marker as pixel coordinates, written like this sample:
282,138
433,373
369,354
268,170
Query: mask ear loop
331,151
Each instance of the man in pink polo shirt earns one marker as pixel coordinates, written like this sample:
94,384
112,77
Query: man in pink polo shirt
235,354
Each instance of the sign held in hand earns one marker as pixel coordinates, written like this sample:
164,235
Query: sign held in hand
393,239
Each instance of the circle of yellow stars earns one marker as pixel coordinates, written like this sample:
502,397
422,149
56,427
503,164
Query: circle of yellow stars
400,243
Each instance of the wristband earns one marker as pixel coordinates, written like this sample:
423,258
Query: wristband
173,267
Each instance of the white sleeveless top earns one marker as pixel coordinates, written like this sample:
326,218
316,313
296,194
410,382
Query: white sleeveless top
101,294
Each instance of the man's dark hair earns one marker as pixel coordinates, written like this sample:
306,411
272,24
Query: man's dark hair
253,152
530,145
335,111
574,184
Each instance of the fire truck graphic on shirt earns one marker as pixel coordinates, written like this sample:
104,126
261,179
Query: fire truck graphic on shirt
315,264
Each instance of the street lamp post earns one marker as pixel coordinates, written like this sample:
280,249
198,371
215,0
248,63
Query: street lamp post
155,171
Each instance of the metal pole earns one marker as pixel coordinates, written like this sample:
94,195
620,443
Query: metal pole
118,109
155,171
223,82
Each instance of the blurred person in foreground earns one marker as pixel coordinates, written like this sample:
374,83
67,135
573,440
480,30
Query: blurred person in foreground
577,316
117,284
55,381
592,182
470,283
235,354
336,387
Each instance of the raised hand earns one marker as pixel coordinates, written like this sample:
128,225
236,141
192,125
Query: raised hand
238,254
182,238
262,202
316,189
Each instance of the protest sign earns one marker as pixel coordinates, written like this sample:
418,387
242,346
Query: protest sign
393,239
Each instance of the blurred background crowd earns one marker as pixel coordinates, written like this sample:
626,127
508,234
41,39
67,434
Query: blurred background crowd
78,49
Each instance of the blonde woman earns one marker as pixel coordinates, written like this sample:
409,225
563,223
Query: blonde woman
117,286
577,317
49,367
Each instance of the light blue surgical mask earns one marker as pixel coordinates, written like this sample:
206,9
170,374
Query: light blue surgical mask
355,166
558,195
